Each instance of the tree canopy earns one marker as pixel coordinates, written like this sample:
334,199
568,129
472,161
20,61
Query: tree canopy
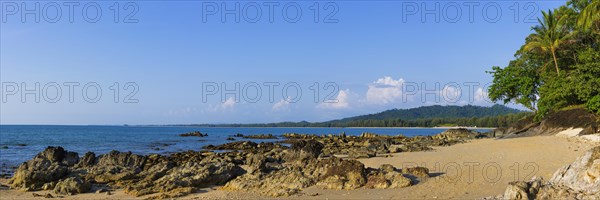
566,39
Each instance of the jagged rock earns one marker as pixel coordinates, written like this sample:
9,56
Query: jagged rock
191,174
397,148
71,186
283,182
179,192
361,153
245,146
88,160
583,175
48,166
260,136
387,168
457,134
331,173
116,166
368,135
386,177
417,171
256,163
343,174
310,148
578,180
195,133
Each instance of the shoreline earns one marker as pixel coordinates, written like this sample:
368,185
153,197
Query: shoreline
486,152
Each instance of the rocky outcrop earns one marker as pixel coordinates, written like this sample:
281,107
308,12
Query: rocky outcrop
260,136
195,133
553,123
579,180
387,176
299,168
370,145
459,134
64,173
48,166
71,185
266,168
245,146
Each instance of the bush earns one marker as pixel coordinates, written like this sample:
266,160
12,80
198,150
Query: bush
594,104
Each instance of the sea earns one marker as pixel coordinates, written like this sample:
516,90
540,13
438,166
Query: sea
19,143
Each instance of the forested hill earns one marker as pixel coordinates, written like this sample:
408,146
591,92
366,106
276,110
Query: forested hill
436,111
426,116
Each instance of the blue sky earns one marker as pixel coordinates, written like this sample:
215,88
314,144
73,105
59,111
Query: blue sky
371,59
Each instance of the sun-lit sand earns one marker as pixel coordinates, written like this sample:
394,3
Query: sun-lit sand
476,169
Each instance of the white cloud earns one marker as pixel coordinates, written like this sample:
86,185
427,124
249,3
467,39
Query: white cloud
385,90
481,96
229,103
342,98
284,104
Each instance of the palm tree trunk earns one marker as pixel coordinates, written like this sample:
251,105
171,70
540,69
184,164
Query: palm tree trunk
555,62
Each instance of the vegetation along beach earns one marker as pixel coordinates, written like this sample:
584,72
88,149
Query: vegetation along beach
300,100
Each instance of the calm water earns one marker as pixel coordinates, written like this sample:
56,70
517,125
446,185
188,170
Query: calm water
20,143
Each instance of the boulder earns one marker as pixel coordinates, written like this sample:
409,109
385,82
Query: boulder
71,186
386,177
342,174
579,180
417,171
50,165
457,134
583,175
260,136
311,148
195,133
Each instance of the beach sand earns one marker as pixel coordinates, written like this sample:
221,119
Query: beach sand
477,169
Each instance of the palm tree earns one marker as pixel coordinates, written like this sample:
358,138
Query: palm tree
549,35
589,15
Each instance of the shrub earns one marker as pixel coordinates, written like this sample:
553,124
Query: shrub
594,104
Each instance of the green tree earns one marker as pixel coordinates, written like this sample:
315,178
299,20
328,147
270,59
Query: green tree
549,35
589,15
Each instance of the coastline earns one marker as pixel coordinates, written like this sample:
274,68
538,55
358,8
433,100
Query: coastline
444,182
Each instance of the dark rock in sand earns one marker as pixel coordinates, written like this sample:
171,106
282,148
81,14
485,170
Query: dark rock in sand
417,171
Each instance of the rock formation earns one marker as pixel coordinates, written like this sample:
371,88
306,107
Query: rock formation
579,180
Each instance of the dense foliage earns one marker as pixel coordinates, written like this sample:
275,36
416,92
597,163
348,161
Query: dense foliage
559,64
426,116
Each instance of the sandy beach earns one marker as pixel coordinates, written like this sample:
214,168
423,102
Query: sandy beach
476,169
